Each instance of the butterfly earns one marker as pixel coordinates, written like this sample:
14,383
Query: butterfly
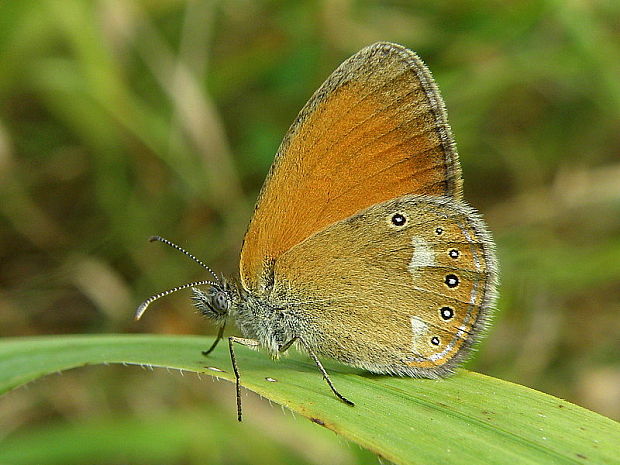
361,248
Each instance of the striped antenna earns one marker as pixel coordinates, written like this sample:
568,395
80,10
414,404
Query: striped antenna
182,250
144,305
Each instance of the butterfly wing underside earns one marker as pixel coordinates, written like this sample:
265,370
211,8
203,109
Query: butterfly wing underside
407,299
375,130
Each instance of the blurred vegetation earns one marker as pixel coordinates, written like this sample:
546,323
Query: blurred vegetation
119,120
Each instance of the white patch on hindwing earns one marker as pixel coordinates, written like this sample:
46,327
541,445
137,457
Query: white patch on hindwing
419,335
423,256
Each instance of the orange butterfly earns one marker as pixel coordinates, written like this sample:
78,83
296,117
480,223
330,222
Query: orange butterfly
361,248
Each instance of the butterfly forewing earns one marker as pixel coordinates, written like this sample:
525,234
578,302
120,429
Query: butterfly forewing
394,296
375,130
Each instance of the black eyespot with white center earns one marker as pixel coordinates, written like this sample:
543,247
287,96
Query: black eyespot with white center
446,313
435,340
453,253
399,219
452,281
439,231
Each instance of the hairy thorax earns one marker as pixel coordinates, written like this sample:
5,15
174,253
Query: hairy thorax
268,321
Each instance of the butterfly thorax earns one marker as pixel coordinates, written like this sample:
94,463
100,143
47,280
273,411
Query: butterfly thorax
254,315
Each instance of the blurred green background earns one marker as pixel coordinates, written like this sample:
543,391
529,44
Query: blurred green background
122,119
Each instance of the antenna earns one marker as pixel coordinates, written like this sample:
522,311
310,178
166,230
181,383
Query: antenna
144,305
182,250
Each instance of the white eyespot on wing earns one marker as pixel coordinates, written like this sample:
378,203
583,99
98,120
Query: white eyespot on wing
419,335
423,256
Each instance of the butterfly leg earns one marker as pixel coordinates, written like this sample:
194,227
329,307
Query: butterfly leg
252,343
220,333
325,375
285,347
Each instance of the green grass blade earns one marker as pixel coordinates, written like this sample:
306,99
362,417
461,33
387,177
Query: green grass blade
469,418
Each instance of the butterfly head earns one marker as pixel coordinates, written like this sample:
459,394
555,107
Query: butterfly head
216,302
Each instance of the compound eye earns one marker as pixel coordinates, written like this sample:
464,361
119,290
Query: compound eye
221,301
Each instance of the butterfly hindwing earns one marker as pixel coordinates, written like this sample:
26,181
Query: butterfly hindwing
407,298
